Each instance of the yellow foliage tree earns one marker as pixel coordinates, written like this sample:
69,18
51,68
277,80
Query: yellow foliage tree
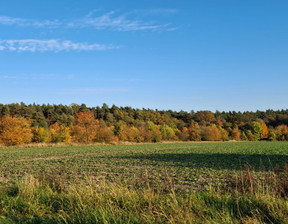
128,133
85,127
15,130
59,133
40,134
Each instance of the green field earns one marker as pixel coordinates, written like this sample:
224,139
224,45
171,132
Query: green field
188,183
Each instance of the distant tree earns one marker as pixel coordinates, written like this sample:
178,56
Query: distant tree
194,132
265,132
211,133
257,130
103,133
236,134
85,127
40,134
167,132
144,134
15,130
184,134
272,136
59,133
281,132
128,133
155,132
224,134
205,118
250,136
243,136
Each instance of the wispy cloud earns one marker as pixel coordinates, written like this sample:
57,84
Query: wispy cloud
108,21
6,20
114,22
34,45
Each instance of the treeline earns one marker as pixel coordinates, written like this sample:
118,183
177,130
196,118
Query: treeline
20,123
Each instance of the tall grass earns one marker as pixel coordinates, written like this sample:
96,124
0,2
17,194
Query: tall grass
247,199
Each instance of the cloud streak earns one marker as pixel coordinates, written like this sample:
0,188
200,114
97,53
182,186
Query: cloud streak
6,20
107,21
111,21
34,45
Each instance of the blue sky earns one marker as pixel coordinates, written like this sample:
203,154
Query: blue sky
159,54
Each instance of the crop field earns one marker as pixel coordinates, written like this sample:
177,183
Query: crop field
171,182
188,164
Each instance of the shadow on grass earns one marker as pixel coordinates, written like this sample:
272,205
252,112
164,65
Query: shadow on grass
214,161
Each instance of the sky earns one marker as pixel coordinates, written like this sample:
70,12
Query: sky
226,55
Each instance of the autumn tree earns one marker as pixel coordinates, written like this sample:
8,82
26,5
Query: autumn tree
281,132
194,132
144,134
59,133
40,135
128,133
103,133
205,118
236,134
257,130
211,133
184,134
250,136
85,127
167,132
224,134
14,130
272,135
265,132
155,132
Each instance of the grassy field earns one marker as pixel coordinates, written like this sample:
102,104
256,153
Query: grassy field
231,182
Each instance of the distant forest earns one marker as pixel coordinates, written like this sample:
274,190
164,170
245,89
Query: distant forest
21,123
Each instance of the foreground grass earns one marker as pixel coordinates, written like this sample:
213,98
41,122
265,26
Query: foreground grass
41,201
150,183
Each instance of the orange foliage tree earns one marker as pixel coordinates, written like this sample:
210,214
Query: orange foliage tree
236,134
265,132
194,132
104,133
211,133
15,130
85,127
282,132
184,134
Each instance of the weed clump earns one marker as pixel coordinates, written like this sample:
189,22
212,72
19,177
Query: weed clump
274,182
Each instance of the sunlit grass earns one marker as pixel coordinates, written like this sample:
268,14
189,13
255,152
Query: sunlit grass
149,183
